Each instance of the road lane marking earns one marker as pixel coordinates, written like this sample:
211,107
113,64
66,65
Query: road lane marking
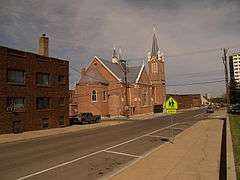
125,154
94,153
91,154
199,114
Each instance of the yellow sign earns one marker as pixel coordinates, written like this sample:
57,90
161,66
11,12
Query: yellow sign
171,106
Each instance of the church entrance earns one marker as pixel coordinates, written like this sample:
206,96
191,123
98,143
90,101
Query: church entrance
114,105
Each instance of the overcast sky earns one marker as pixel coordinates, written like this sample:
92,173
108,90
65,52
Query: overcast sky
80,29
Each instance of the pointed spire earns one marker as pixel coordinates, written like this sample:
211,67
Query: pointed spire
114,56
114,53
119,53
155,48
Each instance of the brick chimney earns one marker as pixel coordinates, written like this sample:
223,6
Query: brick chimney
83,72
43,45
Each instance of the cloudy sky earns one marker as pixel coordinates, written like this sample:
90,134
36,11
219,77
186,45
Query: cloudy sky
80,29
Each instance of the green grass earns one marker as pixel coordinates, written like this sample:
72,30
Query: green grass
235,129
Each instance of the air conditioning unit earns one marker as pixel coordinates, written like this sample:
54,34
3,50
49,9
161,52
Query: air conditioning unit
9,109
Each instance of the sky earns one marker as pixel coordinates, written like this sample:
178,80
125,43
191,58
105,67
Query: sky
190,33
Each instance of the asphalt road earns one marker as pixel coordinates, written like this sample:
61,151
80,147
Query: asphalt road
90,154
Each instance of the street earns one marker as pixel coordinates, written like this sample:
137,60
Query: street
90,154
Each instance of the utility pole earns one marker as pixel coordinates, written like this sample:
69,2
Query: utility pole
224,58
123,64
126,91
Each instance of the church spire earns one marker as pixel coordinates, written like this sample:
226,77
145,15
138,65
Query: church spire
155,48
114,56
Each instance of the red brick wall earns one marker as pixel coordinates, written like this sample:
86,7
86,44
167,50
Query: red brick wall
30,117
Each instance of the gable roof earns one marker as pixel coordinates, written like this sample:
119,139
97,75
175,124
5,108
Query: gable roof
115,69
92,76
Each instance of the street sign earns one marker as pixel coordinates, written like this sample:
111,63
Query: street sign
171,106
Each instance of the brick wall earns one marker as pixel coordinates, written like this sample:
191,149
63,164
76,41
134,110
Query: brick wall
30,118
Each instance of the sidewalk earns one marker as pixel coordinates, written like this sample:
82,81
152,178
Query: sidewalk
194,155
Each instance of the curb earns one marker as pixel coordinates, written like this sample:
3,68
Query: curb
231,171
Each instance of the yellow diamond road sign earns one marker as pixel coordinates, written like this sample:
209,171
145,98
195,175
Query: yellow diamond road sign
171,106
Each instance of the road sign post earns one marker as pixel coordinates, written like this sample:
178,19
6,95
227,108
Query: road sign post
171,107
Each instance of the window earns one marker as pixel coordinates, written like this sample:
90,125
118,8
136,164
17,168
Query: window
61,101
154,67
45,123
16,76
61,79
94,96
15,103
104,96
61,121
42,103
42,79
145,97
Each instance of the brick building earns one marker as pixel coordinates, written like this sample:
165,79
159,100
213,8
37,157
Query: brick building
188,100
102,86
33,90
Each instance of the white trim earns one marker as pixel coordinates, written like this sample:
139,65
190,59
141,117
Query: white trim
107,68
139,74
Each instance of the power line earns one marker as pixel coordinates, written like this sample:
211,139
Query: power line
189,84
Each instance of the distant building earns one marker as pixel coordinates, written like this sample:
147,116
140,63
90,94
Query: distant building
33,90
234,64
101,88
234,68
186,101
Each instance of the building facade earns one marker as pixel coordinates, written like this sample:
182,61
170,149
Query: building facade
33,90
186,101
109,88
234,68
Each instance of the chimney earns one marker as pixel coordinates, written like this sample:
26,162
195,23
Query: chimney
83,72
43,45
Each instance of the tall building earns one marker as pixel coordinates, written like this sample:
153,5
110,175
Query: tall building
234,68
102,90
234,64
34,90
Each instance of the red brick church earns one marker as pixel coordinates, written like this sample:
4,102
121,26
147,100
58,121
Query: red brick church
102,86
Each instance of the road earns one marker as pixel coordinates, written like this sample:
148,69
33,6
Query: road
90,154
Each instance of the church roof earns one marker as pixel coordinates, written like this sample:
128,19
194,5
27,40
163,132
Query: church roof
116,70
92,76
154,46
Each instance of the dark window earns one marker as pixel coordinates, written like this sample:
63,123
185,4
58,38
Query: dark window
16,76
61,121
42,79
61,101
42,103
94,96
104,96
45,123
15,103
61,79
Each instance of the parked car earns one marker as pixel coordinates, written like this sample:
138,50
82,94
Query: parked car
210,109
234,109
82,118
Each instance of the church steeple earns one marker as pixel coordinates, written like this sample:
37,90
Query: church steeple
114,56
155,49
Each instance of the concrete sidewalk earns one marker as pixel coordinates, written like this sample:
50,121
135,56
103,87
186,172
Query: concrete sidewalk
195,154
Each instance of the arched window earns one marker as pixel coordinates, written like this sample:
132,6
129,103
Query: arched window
94,96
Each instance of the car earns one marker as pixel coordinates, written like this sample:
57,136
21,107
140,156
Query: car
82,118
210,109
235,109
